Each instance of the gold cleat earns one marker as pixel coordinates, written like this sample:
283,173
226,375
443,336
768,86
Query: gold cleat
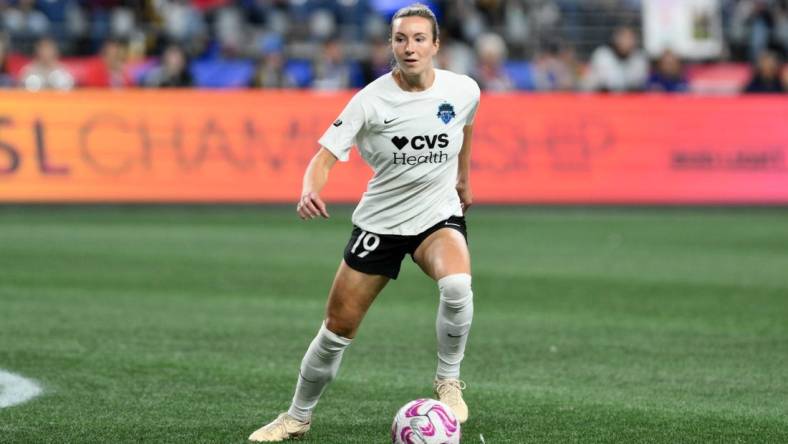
282,428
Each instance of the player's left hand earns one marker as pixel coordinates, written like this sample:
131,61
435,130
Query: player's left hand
466,196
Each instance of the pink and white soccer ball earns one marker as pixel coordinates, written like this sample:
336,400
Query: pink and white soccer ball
425,421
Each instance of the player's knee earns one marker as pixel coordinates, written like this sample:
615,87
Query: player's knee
341,327
456,290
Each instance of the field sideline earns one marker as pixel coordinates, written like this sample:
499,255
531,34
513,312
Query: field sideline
605,325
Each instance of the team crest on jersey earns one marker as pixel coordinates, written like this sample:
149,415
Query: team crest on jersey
446,112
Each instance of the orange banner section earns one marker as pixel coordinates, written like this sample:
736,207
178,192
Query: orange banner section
219,146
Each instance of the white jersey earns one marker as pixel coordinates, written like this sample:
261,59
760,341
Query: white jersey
412,141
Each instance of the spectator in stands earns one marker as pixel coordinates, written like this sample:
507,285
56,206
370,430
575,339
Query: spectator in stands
6,79
766,77
182,23
620,67
270,72
756,25
784,77
99,14
24,23
56,12
172,71
490,74
668,75
332,71
110,72
378,62
781,25
455,55
229,28
762,23
556,68
222,29
45,70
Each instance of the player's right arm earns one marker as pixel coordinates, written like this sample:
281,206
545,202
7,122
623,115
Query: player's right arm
335,144
311,205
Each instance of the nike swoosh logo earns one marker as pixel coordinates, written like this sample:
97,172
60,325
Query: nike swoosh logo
450,335
453,225
387,121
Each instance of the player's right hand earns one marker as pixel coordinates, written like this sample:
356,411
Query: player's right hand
310,206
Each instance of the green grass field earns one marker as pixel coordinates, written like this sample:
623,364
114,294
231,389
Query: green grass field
160,324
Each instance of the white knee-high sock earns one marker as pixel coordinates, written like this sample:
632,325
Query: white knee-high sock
318,368
453,324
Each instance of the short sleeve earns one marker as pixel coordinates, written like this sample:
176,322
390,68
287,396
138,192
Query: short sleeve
476,98
340,137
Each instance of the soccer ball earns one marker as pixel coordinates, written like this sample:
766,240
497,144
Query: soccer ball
425,421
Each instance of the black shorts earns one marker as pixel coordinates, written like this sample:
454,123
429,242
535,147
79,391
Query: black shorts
383,253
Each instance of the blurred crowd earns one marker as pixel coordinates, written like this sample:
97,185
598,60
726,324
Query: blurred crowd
541,45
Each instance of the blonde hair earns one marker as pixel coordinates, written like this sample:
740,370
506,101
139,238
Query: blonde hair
419,10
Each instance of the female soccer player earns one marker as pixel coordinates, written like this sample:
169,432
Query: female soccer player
413,127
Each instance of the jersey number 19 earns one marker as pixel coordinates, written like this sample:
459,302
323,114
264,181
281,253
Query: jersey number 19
368,241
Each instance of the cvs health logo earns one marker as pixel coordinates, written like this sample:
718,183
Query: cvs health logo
421,142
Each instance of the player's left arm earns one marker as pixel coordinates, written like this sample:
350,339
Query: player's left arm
464,169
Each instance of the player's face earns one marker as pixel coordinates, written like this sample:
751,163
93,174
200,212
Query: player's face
411,41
